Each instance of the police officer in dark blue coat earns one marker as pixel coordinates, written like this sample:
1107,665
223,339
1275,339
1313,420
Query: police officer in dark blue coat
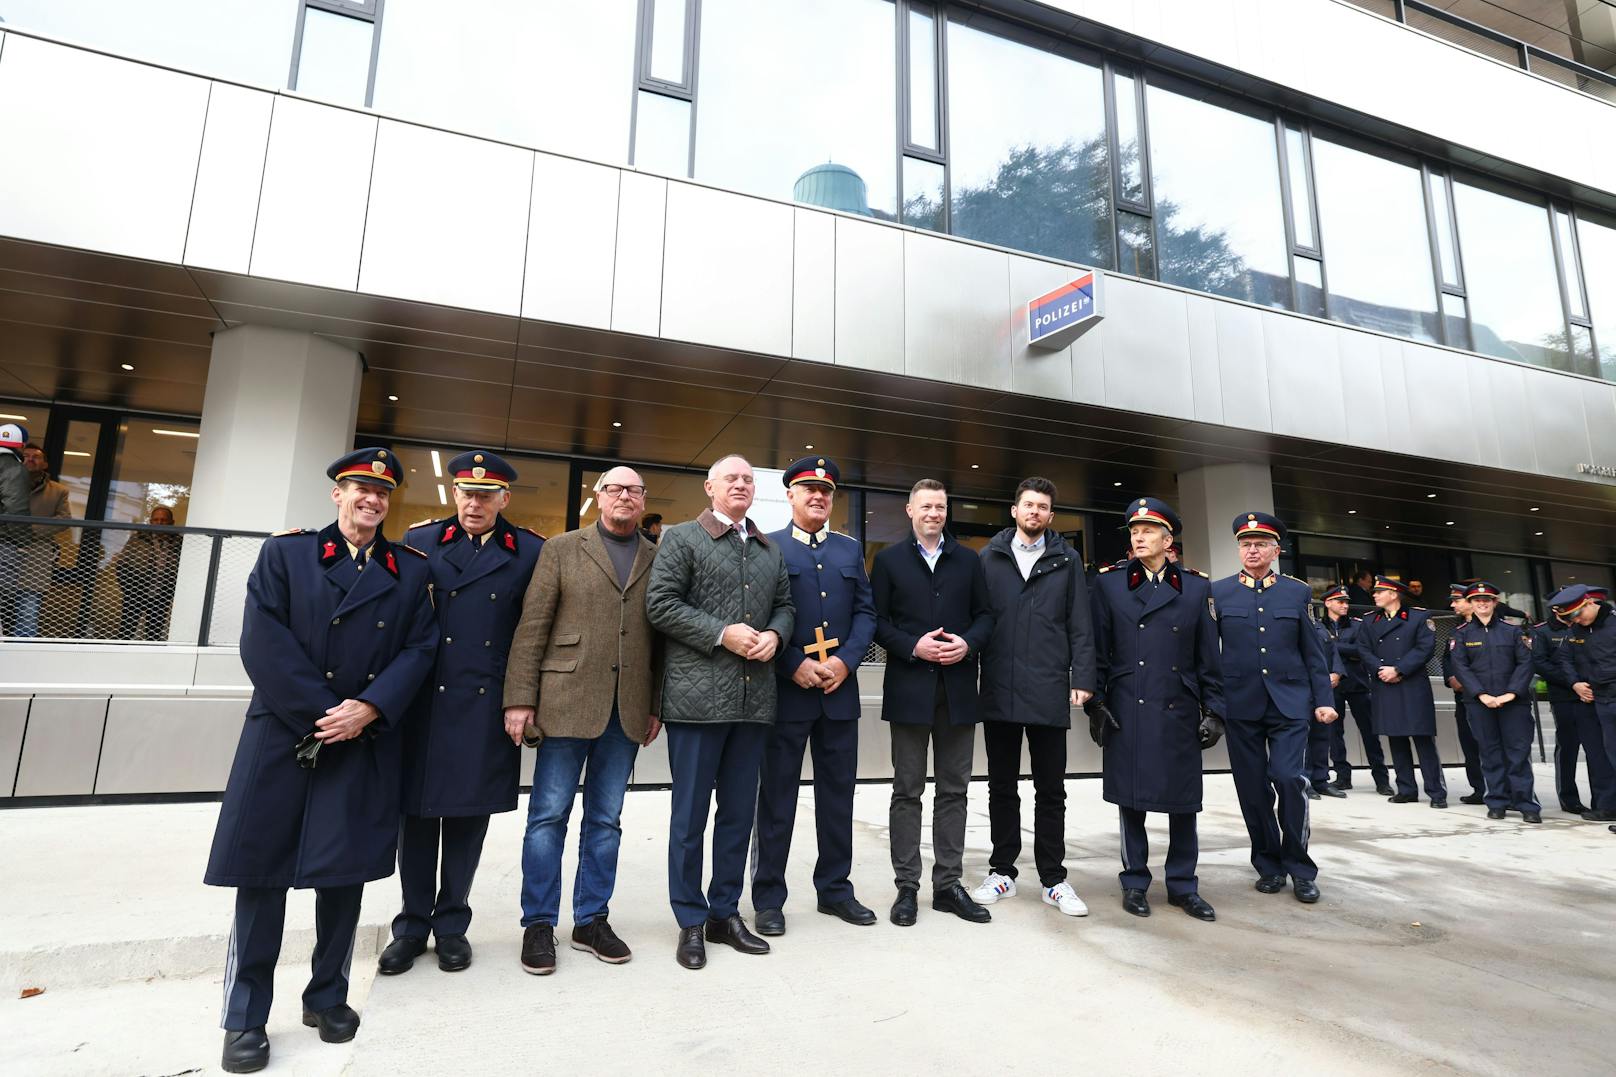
337,637
1588,659
1321,735
459,765
1394,644
1576,726
1351,692
817,705
1158,703
1276,681
1493,661
1461,703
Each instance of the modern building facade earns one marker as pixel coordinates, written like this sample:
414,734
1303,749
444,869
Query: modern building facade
1357,266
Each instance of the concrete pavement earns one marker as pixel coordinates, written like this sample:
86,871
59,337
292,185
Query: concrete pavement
1443,943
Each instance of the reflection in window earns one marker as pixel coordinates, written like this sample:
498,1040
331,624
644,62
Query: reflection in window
1026,137
1514,291
923,194
662,135
1215,177
155,460
1301,192
679,496
1442,212
923,79
885,524
1568,263
768,114
1455,324
538,497
1372,216
1598,244
1136,253
668,41
1309,286
1131,162
491,69
333,62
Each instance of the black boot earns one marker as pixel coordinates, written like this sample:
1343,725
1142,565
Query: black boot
245,1050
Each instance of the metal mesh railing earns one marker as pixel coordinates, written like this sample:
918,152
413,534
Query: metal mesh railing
85,580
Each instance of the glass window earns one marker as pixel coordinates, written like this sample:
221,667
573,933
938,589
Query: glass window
1372,217
334,63
885,523
1598,243
922,79
153,468
1566,573
1455,326
923,194
662,135
1514,291
1309,286
32,417
1568,263
1027,146
1136,251
538,497
1301,189
492,68
1511,575
78,462
246,40
1215,177
680,495
668,41
770,113
1130,158
1442,211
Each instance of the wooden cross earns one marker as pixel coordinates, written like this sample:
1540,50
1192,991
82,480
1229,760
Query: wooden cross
820,647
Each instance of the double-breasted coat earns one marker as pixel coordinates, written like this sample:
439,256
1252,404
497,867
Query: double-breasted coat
1405,641
1157,664
458,759
319,629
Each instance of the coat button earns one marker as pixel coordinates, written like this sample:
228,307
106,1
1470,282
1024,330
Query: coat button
622,631
1264,650
1259,609
336,620
821,594
614,668
1175,669
480,691
820,567
440,687
1141,624
1260,628
370,676
488,643
329,674
1265,673
381,624
1141,661
825,623
453,593
746,586
492,597
1141,702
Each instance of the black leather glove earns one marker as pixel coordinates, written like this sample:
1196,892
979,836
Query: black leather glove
308,752
1101,721
1211,729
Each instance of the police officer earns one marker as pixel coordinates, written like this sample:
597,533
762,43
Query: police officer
1276,681
459,764
1588,658
1351,692
1158,704
337,637
1493,661
1461,705
1576,726
817,703
1394,644
1320,735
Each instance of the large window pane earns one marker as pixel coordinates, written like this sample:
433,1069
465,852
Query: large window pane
1026,137
662,135
1598,243
1220,227
498,68
334,62
1510,277
1568,263
153,468
787,87
1376,243
1131,166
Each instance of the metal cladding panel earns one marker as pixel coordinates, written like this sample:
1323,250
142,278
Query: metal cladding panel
1443,432
224,209
1088,366
1038,371
60,748
99,153
637,277
1242,366
1363,394
813,286
1559,423
1304,369
1147,361
1206,376
1484,416
13,719
869,296
1599,408
311,213
137,754
1516,423
447,219
956,310
571,242
727,266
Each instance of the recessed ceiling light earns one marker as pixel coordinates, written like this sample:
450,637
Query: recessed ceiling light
1352,512
127,366
1450,523
975,466
1537,532
616,424
73,452
1430,495
175,433
1116,484
1534,508
437,465
18,418
443,496
393,398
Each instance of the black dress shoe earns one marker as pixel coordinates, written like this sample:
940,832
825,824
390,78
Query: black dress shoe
1385,790
1404,798
1599,816
770,921
1531,817
1574,808
692,952
337,1024
1134,901
1270,884
400,955
246,1051
454,953
538,949
1307,891
905,909
1440,803
1312,793
733,932
1495,813
1195,905
1341,783
955,899
1331,791
1473,798
850,911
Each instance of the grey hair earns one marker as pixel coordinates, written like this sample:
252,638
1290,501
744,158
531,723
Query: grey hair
712,472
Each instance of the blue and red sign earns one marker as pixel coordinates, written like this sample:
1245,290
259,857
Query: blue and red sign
1068,307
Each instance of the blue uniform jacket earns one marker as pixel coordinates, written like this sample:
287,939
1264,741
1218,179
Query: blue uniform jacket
317,630
1405,641
1344,634
832,593
1271,650
458,760
1157,664
1548,641
1492,660
1589,655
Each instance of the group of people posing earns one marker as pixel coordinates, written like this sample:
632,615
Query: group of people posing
395,683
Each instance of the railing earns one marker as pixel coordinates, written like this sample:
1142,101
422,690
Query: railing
89,581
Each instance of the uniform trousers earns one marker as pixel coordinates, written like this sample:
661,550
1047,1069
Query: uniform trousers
255,947
1363,717
1504,739
953,748
1577,726
1320,740
1046,749
1403,749
1467,744
437,899
834,744
708,758
1265,756
1183,852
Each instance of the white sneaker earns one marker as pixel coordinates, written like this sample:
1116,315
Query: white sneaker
1064,898
994,887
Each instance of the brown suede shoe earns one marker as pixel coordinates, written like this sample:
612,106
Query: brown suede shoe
598,938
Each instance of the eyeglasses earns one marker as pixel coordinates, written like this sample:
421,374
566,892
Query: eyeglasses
617,490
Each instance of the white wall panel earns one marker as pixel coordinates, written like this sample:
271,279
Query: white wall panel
869,296
137,753
60,748
637,277
727,266
1363,398
1243,367
224,209
813,286
571,242
956,305
1206,379
1147,363
1304,370
13,719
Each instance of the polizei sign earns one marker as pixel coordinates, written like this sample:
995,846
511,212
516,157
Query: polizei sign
1057,318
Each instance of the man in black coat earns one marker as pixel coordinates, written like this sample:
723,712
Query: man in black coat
1038,665
1460,605
933,618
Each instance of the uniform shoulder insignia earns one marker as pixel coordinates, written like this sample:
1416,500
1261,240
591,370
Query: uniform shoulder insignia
288,531
409,549
1195,572
530,531
421,523
1105,568
1298,579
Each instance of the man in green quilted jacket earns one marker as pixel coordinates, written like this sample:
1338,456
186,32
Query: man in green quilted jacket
720,594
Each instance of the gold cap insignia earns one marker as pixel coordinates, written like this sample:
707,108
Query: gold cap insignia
378,467
819,471
478,472
477,460
381,454
1143,503
821,463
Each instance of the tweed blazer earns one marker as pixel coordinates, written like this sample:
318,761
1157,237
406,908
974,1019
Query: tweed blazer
583,641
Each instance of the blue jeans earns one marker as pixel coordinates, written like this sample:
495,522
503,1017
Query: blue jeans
27,605
556,769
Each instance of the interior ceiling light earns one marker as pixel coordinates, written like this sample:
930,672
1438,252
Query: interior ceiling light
1537,532
808,447
437,465
616,424
975,466
1450,523
1534,508
1116,484
1352,512
1430,495
127,366
176,433
393,398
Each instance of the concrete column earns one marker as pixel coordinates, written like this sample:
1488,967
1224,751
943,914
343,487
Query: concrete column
1208,499
280,406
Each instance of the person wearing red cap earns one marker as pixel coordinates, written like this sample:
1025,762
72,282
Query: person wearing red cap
1394,646
1493,661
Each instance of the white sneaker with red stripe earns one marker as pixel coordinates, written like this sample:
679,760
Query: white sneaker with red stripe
994,887
1064,898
